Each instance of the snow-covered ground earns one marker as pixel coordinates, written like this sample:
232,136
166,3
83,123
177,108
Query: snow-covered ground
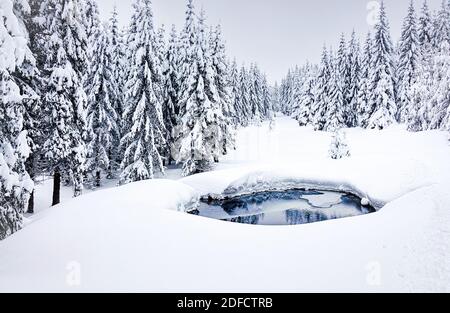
136,237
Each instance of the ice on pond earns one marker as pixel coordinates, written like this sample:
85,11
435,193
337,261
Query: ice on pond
289,207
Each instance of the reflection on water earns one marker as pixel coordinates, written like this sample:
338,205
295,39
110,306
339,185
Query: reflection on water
290,207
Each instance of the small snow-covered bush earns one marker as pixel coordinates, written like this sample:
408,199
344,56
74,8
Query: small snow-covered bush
339,148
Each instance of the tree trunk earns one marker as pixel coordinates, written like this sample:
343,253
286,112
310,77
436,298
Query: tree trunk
30,166
56,187
30,209
98,179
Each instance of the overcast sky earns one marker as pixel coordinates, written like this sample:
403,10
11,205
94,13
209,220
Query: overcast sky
277,34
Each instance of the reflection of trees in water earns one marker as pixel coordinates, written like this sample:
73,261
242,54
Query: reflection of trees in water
252,219
295,217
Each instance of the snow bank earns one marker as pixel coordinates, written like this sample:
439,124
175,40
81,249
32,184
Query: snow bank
132,239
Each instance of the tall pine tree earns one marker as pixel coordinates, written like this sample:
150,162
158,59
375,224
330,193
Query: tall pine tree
383,82
102,116
144,139
64,46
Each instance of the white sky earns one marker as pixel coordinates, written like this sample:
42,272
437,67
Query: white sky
277,34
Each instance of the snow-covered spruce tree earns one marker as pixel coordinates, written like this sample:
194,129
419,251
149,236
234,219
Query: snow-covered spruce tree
144,139
440,101
425,29
322,92
102,116
64,45
353,74
172,88
441,31
236,93
221,81
335,110
244,103
383,82
339,148
267,109
199,133
364,104
15,56
91,20
409,58
255,94
276,98
116,50
307,97
28,79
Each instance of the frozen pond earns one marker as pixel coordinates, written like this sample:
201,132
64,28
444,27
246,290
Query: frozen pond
290,207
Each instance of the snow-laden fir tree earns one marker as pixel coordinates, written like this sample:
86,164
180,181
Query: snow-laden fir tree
440,100
441,31
116,50
64,45
339,148
91,20
28,79
364,105
276,98
256,100
307,97
425,29
172,88
144,138
267,109
235,93
383,81
102,117
244,105
353,79
409,58
221,81
15,183
336,108
199,133
322,92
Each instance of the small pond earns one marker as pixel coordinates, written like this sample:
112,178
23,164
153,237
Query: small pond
290,207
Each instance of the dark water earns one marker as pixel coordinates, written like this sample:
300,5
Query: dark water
290,207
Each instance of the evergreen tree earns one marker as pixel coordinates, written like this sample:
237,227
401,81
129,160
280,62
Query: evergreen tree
322,94
425,29
336,108
221,81
353,73
15,184
339,148
276,98
92,20
440,100
255,94
144,138
245,109
236,94
172,88
383,77
409,58
307,98
441,31
102,116
27,77
64,45
364,105
116,50
198,136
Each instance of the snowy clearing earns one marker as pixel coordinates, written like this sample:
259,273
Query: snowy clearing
133,238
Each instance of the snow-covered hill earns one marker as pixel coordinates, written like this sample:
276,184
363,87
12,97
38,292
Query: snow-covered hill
134,238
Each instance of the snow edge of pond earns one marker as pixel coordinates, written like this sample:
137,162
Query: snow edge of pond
264,181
